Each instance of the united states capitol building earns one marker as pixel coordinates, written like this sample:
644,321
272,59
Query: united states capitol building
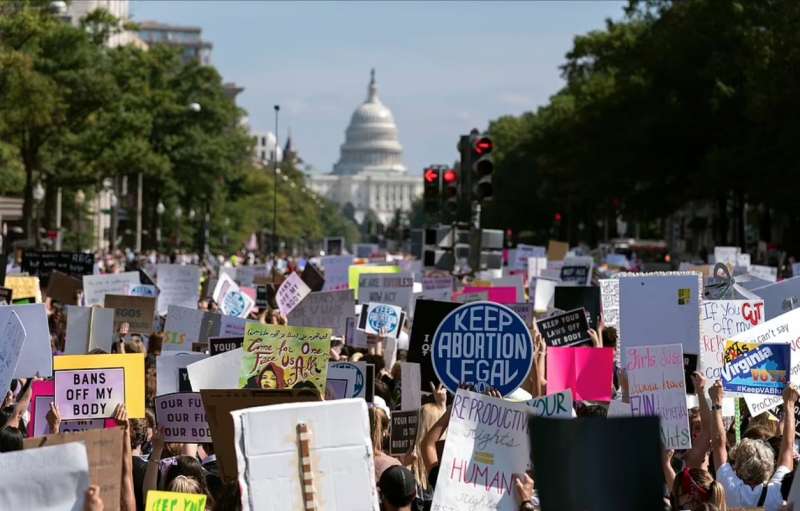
370,174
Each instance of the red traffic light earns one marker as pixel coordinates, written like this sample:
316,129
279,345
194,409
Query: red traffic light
450,176
431,175
483,146
557,217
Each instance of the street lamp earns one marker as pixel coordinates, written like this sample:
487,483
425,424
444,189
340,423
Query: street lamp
38,196
195,107
178,215
80,198
159,211
275,193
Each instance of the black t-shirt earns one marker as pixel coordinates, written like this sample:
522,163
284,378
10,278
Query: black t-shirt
139,468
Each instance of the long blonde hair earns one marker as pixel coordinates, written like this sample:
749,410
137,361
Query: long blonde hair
701,486
378,427
428,415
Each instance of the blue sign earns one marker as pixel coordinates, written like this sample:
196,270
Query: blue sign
752,368
483,344
383,317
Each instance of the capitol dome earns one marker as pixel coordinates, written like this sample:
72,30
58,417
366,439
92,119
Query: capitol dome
371,144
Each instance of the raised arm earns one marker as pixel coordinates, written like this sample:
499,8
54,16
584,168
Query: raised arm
127,497
696,457
151,474
719,447
786,455
428,446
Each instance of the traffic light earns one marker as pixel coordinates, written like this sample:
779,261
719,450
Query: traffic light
450,190
432,189
482,167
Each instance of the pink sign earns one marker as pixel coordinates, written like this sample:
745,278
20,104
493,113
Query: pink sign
588,372
501,295
89,393
42,394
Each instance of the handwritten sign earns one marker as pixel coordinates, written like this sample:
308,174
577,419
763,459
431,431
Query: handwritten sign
336,271
171,501
558,405
568,329
291,293
89,394
487,442
720,320
183,418
281,357
96,287
657,387
403,432
752,368
393,289
178,285
137,311
325,309
42,264
24,287
12,334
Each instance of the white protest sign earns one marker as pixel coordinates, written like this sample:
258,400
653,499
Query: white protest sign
346,380
390,288
76,341
231,301
246,275
291,293
410,383
768,273
609,299
543,292
518,257
336,270
182,328
657,387
324,309
36,357
726,255
169,375
12,334
340,450
558,405
101,329
618,409
487,442
536,265
577,271
96,287
381,319
178,285
53,478
743,261
183,418
89,393
217,372
719,321
780,297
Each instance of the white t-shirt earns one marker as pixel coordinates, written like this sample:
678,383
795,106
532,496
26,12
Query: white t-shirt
739,494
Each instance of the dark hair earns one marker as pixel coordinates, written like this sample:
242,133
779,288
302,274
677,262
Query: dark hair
377,361
189,467
609,337
10,439
138,432
230,497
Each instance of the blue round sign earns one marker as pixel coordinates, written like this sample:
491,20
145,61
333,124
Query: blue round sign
484,344
383,317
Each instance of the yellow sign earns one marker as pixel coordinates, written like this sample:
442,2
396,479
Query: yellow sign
132,363
172,501
358,269
24,287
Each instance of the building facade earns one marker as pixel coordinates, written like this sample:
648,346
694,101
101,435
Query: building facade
370,174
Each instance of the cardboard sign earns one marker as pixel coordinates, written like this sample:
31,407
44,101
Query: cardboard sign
172,501
587,372
178,285
577,271
780,297
291,293
339,444
53,478
346,380
104,453
524,310
660,309
171,373
428,315
381,319
219,372
131,363
390,289
720,320
89,394
282,357
217,345
558,405
96,287
568,298
768,273
476,469
137,311
325,309
12,334
657,387
557,250
567,329
753,368
403,432
64,288
24,287
42,264
336,269
354,273
183,418
567,451
231,301
35,356
484,344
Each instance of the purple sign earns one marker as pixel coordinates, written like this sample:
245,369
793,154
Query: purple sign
89,393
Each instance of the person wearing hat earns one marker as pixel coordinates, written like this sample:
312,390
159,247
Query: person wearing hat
397,488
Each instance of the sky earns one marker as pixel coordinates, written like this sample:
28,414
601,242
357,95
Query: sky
443,68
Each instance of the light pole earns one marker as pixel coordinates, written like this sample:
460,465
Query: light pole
178,215
80,198
38,196
227,224
112,242
159,211
275,193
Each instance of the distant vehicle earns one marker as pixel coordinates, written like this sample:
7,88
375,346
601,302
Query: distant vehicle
644,255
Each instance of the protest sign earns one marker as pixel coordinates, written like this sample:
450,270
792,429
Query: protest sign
476,468
346,380
137,311
231,301
524,310
577,271
88,328
501,295
557,250
183,418
132,364
727,255
535,266
689,367
291,293
381,319
178,285
566,455
35,356
89,394
5,296
142,290
12,335
64,288
355,271
475,296
587,372
334,246
53,478
392,289
542,293
218,372
518,257
217,345
280,357
403,432
753,368
172,501
557,405
657,387
515,280
780,297
183,327
410,395
568,298
431,282
339,443
104,452
313,277
720,320
660,308
42,395
428,315
567,329
248,275
96,287
609,300
768,273
24,287
484,344
336,269
101,329
171,373
41,264
324,309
